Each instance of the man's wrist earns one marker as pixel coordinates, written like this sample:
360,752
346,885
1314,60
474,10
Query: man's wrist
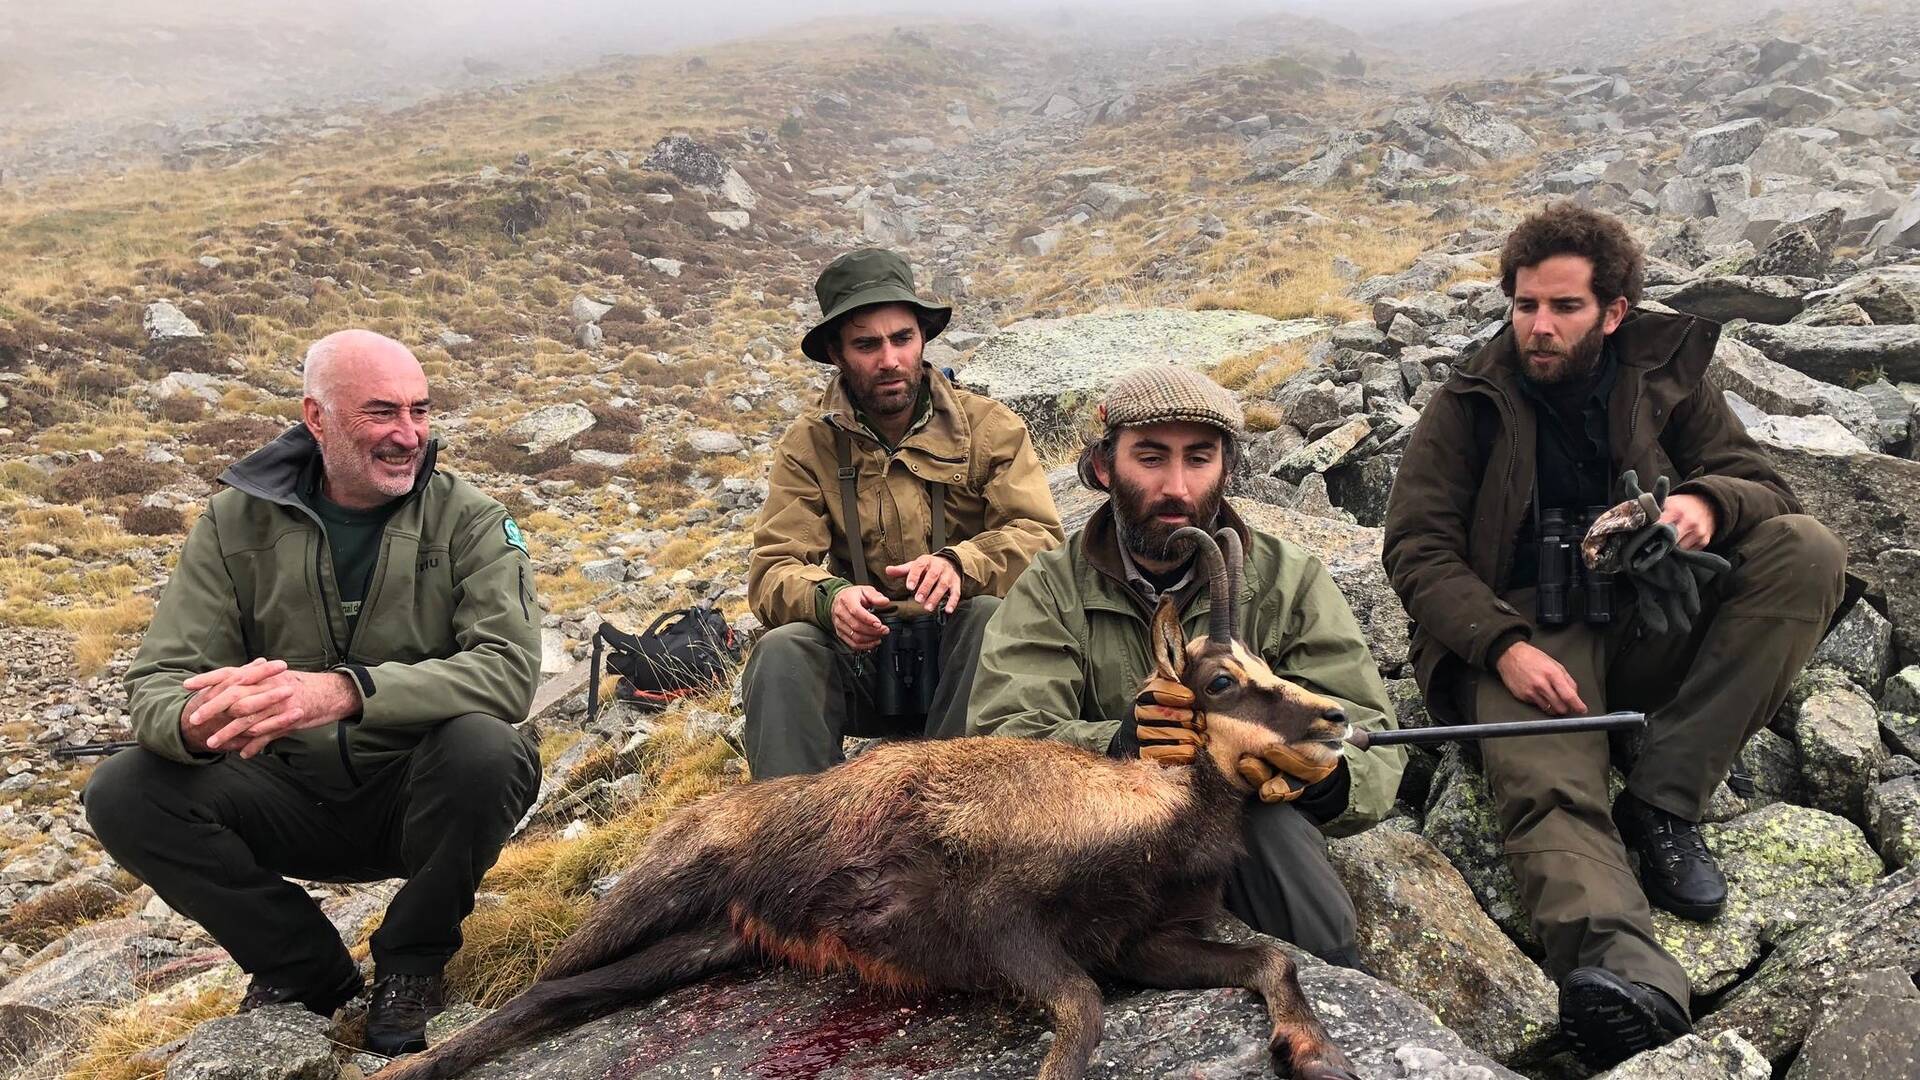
1501,646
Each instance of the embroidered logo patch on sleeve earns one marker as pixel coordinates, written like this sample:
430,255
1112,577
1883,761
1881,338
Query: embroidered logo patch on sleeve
514,537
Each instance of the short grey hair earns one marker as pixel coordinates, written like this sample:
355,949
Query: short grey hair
318,368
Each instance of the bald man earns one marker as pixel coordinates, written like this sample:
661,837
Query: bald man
328,691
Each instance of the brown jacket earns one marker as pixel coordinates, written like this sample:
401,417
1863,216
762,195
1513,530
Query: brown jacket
999,513
1466,479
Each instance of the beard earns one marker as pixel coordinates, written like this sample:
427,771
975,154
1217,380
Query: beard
1147,537
355,476
1573,363
875,400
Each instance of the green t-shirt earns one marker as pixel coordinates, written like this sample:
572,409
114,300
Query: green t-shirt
354,538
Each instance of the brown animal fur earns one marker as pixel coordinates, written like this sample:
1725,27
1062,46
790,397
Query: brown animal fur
983,863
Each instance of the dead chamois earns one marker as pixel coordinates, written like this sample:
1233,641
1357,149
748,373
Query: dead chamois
977,864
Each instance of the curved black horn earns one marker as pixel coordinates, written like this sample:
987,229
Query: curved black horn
1220,618
1236,559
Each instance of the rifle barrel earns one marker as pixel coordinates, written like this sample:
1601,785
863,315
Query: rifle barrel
1557,725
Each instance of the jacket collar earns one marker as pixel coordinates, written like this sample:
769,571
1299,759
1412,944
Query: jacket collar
944,433
1100,549
274,471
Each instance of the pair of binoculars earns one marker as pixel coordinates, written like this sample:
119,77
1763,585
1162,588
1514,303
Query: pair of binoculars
908,659
1563,572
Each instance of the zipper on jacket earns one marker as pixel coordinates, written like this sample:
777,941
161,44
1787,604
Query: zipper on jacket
320,582
524,613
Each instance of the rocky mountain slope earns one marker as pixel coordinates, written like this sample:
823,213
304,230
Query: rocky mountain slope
606,275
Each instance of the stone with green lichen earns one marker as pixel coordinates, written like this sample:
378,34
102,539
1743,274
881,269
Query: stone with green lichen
1893,820
1726,1056
1902,732
1838,733
1775,1008
1460,822
1420,929
1902,692
1773,764
1786,866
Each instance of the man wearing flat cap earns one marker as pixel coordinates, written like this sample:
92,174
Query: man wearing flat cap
898,495
1067,653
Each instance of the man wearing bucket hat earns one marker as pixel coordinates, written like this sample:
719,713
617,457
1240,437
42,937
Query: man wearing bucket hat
898,496
1067,651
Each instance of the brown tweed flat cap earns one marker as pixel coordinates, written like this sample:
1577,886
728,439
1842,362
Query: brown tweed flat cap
1156,395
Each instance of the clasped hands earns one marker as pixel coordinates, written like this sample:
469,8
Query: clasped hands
1171,730
249,706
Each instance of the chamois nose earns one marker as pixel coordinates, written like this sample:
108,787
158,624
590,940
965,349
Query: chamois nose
1334,716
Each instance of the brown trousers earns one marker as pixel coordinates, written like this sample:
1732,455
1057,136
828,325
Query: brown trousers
1704,694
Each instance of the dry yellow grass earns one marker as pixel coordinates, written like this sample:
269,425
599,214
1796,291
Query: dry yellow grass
115,1043
544,881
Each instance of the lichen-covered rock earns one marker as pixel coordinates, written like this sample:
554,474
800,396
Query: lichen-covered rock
106,963
1901,730
1421,930
1902,692
1860,647
1869,1027
1726,1056
1461,824
1893,820
1772,763
543,429
1838,733
828,1028
1786,866
1050,371
280,1042
1775,1008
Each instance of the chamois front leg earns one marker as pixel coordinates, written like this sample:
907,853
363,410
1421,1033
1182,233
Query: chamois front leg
1179,959
1034,964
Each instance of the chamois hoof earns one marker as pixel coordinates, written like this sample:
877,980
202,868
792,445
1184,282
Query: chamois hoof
1314,1062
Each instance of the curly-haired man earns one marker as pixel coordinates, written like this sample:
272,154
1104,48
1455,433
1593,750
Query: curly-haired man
1528,441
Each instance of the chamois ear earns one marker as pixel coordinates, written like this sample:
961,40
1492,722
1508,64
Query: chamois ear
1169,641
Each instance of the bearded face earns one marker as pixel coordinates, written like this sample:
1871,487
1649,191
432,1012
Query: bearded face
1165,477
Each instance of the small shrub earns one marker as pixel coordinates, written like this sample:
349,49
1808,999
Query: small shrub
144,520
50,915
113,474
182,409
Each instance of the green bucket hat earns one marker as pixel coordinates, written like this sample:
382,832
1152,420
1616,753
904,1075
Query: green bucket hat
861,278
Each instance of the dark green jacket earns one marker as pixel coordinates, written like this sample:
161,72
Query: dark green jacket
1466,481
448,626
1067,650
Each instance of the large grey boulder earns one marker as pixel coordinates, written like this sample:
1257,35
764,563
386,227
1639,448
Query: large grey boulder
1327,452
280,1042
545,428
1051,371
1726,1056
1722,144
1776,1007
1888,294
1786,153
1839,354
1893,820
1838,733
1868,1027
1902,229
1325,167
1860,646
700,167
165,323
113,962
827,1028
1724,298
1472,126
1115,200
1786,866
1779,389
1421,930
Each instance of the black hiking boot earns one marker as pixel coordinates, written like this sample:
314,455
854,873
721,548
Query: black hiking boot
1677,871
1608,1019
323,1001
397,1017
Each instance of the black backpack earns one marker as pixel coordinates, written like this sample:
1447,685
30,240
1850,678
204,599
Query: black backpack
683,652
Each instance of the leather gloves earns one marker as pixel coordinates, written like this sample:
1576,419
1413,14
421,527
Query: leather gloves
1170,731
1281,774
1667,579
1165,723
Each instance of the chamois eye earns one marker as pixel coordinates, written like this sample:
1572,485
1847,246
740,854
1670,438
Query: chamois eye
1220,684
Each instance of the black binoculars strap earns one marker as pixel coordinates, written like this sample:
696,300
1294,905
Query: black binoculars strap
850,508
